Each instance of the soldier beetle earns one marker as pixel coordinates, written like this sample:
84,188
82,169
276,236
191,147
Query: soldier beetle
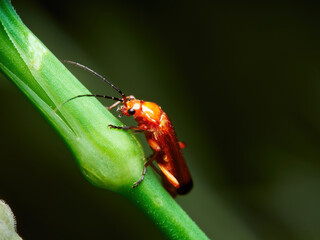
159,132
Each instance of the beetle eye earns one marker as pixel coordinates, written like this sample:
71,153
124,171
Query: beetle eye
131,111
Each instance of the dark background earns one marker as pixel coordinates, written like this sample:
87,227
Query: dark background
241,83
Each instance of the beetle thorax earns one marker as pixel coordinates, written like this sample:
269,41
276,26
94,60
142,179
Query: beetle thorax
150,112
144,112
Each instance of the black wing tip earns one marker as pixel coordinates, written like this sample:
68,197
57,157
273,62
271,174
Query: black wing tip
185,188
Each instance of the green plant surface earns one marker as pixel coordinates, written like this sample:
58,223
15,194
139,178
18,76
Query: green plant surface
110,159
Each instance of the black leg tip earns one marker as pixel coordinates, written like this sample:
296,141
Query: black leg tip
136,184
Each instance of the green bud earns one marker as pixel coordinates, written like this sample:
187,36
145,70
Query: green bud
109,158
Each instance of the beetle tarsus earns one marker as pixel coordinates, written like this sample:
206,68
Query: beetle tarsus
136,184
134,129
113,126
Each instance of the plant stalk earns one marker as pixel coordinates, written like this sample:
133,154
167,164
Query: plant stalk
108,158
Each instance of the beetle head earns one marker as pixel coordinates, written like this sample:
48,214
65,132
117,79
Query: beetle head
130,107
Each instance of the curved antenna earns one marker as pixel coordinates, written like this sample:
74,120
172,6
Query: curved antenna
98,75
87,95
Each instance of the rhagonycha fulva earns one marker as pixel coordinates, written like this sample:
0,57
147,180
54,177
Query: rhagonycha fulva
159,132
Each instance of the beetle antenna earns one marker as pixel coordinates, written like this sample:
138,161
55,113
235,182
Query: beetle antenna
98,75
87,95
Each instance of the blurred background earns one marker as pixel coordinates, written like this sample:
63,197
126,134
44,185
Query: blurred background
241,83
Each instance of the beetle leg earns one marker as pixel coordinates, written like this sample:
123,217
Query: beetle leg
156,169
150,159
182,145
165,182
135,129
169,176
113,105
154,145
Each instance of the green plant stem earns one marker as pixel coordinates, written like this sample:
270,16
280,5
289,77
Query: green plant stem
110,159
164,211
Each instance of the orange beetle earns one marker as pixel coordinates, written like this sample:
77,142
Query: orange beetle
160,134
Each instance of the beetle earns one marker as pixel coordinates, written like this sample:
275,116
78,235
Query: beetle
160,135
